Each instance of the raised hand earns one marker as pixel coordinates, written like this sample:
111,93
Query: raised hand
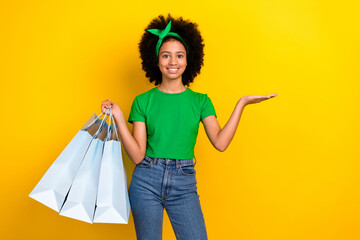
245,100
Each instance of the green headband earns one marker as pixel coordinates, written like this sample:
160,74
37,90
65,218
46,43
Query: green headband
162,34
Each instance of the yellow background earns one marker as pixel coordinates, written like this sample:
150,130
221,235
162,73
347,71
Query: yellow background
292,170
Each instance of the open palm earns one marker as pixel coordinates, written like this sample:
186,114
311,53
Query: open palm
256,98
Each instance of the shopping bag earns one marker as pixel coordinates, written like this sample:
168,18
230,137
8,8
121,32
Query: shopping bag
56,182
81,199
112,205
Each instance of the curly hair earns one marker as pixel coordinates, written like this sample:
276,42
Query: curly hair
191,36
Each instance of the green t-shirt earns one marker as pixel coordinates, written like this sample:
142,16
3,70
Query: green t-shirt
172,121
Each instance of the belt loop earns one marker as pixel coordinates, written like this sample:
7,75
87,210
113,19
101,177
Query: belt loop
195,160
177,163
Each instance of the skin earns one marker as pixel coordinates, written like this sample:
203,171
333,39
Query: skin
172,64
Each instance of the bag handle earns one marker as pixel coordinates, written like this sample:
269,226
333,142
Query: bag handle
115,128
98,117
112,127
109,127
101,125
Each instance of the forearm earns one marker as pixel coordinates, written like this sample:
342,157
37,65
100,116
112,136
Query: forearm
131,147
227,133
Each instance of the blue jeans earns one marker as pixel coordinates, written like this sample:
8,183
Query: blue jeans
159,183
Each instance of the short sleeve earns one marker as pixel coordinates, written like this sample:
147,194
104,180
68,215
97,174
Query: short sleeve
136,112
207,108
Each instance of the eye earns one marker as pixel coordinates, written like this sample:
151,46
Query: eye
165,56
180,56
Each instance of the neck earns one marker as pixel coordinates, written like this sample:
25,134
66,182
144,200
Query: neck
172,86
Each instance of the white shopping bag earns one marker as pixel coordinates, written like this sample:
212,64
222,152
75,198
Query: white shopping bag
112,204
81,199
56,182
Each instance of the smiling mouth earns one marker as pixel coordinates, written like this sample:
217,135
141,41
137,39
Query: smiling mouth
172,70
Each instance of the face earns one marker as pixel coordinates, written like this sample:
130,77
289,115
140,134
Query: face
172,60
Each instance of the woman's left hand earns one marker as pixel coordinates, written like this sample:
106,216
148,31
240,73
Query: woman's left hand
245,100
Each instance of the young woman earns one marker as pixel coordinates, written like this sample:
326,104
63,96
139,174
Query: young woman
165,126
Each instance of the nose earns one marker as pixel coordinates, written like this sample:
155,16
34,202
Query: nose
172,60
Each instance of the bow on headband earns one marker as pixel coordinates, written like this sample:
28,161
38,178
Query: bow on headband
162,34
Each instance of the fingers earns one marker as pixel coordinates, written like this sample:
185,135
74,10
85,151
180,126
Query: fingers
105,106
261,98
107,103
272,95
269,96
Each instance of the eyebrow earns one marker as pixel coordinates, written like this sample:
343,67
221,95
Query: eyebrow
170,52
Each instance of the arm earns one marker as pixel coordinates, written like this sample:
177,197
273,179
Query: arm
135,143
221,138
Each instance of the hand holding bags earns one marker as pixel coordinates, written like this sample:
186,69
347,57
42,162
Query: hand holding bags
91,167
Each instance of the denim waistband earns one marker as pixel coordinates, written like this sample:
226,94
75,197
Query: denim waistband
172,161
